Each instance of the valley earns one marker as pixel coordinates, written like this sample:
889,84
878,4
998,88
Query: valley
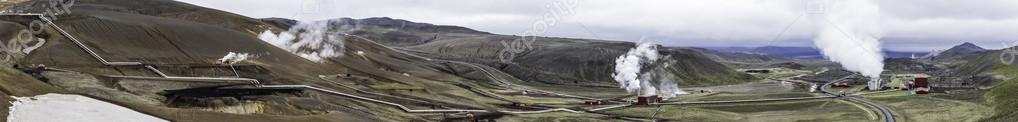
163,60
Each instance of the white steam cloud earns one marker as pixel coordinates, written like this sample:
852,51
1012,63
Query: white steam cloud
629,72
667,87
627,66
849,33
309,40
233,57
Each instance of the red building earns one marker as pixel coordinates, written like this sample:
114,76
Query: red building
922,90
922,85
922,82
647,100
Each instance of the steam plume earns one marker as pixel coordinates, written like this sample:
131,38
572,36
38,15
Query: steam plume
667,86
849,34
309,40
234,57
636,72
627,66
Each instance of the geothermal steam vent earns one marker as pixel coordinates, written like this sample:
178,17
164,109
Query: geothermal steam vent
639,71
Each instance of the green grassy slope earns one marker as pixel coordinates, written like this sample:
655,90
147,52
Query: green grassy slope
1004,95
695,69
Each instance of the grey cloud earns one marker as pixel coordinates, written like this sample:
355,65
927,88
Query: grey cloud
676,22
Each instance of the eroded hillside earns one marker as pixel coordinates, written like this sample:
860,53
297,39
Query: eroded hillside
159,57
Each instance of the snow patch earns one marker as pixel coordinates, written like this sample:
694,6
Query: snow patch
71,108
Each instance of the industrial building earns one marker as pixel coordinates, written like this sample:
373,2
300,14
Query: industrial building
921,85
876,84
647,100
917,83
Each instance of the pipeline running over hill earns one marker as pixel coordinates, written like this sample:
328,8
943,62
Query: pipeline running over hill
256,83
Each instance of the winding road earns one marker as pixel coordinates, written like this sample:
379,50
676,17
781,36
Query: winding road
884,112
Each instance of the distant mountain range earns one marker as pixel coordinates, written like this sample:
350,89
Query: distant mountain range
805,52
385,22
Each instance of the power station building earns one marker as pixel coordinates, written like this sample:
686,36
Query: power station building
918,83
876,84
647,100
922,85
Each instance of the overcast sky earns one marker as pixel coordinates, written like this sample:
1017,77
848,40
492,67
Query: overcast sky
908,25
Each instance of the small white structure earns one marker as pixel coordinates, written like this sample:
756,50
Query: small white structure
814,87
875,84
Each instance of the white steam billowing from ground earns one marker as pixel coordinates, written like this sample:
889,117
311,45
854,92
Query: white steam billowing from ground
667,86
629,72
849,33
627,67
309,40
233,57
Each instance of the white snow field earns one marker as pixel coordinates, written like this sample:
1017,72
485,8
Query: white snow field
72,108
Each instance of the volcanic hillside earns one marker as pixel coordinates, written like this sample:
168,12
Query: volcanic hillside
1001,95
555,61
737,56
183,40
968,60
957,53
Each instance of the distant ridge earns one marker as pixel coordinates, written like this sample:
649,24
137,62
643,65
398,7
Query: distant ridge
380,21
739,56
804,52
